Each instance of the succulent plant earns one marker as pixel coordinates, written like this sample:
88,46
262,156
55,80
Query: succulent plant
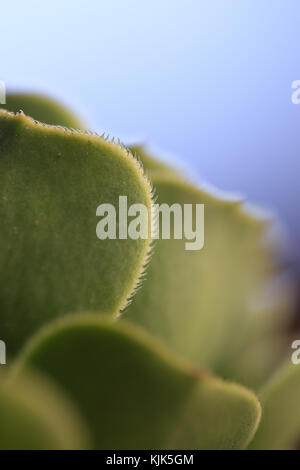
130,344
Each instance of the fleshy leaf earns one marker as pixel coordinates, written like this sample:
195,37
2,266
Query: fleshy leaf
255,364
150,163
51,182
42,109
280,423
134,394
201,302
35,415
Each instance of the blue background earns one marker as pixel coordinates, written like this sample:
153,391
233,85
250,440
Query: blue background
207,81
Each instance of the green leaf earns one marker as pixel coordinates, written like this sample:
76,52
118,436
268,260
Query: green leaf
51,183
150,163
43,109
201,303
134,394
35,415
255,364
280,424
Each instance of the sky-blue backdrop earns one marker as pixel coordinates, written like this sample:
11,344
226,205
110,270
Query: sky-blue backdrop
208,81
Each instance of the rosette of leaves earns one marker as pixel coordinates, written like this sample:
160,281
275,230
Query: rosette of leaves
93,360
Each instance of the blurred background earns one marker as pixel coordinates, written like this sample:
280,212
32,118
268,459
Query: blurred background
207,82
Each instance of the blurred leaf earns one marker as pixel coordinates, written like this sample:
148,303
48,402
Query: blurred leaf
257,362
35,415
134,395
267,342
42,109
51,183
280,424
150,163
201,302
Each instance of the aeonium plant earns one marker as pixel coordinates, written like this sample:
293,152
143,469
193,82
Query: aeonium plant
130,343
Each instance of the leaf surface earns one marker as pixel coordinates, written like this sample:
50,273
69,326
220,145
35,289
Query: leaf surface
134,394
35,415
201,303
51,183
43,109
280,424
